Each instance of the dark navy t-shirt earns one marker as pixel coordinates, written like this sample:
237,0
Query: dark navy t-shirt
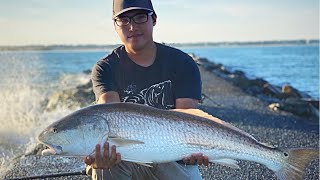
173,75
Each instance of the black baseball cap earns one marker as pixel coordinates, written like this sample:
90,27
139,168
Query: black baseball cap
121,6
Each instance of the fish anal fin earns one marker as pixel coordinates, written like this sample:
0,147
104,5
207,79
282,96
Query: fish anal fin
226,162
123,142
144,164
266,144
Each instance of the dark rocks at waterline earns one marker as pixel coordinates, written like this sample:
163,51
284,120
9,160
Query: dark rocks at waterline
80,96
87,71
285,98
210,66
296,106
288,91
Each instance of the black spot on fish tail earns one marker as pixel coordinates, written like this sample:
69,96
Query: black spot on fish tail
297,160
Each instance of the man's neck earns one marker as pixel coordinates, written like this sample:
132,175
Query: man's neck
144,57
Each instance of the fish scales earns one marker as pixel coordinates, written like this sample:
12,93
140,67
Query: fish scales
189,134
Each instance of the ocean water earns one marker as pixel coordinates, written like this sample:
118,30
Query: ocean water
279,65
28,78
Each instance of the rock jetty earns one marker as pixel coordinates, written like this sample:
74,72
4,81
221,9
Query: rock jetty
285,98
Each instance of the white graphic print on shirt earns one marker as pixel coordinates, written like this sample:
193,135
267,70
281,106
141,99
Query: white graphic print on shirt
158,95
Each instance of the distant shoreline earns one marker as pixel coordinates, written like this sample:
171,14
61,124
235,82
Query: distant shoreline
198,44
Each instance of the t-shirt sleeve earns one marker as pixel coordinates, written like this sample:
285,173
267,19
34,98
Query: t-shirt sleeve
188,81
103,79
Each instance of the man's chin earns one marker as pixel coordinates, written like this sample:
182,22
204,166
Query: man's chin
135,46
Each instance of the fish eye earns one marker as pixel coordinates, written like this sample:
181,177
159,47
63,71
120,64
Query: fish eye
54,130
285,154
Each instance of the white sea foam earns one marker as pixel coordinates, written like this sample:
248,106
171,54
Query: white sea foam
22,110
70,80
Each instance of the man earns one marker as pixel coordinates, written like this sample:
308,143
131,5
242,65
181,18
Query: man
143,71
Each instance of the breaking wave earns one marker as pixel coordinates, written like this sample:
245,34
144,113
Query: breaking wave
25,91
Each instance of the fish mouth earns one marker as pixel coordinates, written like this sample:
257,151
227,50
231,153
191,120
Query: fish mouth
51,150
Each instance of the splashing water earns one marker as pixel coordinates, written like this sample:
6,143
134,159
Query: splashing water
24,89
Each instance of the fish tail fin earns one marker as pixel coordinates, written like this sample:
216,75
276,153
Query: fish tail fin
297,161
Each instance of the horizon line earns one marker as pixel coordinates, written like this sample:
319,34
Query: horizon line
174,43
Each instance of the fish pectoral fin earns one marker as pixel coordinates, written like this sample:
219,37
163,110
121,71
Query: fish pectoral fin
147,164
123,142
227,162
104,138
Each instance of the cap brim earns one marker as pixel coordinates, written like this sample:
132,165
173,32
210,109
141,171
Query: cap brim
129,9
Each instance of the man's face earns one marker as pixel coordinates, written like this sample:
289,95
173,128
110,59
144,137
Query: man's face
135,36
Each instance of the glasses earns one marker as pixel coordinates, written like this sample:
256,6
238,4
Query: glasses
138,19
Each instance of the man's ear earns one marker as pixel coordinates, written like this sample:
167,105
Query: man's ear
154,19
114,25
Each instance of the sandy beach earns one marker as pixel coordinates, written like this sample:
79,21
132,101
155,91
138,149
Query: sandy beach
226,101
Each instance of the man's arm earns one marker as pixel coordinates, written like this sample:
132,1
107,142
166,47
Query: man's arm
108,97
186,103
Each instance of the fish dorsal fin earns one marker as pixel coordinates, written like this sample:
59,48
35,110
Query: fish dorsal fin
123,142
200,113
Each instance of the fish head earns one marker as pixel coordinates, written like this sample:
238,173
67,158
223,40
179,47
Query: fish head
74,135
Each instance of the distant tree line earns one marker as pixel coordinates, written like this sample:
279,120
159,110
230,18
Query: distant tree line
56,47
249,43
199,44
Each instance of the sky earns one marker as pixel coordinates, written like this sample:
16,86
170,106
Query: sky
47,22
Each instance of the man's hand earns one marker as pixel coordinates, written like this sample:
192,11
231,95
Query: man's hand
104,162
197,158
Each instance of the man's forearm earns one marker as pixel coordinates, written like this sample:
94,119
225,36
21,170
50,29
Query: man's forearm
109,97
186,103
